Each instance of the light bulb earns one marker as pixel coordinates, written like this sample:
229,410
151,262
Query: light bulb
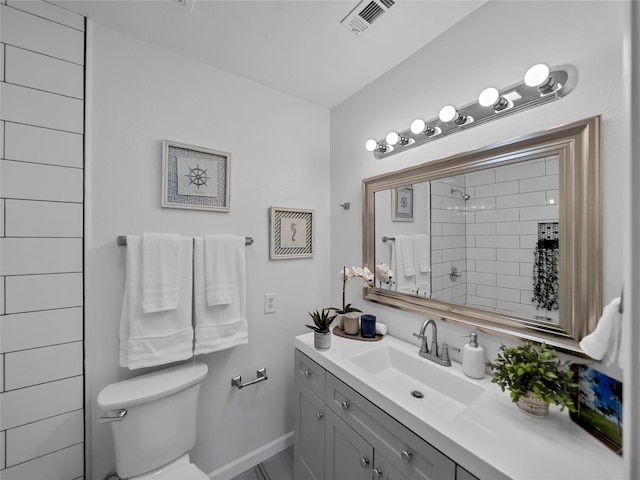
392,138
371,145
489,97
536,75
448,113
417,126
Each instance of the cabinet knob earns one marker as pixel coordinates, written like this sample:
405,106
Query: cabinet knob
345,405
307,372
319,415
377,473
406,455
364,462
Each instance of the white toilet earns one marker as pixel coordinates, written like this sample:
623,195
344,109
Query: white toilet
153,436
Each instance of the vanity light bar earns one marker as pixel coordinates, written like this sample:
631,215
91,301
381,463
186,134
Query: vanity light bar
541,85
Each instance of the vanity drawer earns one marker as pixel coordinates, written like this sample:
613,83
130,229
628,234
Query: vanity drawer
310,374
403,449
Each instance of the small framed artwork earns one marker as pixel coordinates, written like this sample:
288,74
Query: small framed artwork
195,177
599,405
402,204
292,233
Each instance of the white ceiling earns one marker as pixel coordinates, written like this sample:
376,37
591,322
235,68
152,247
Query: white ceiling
296,46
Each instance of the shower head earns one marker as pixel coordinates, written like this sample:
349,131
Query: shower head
465,196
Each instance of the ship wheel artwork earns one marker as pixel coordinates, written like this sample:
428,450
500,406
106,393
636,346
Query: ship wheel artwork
197,176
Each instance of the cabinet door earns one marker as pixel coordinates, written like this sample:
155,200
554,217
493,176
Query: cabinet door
408,453
385,470
308,441
310,373
348,456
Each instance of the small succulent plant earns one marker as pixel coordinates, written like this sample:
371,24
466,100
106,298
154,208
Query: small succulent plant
321,320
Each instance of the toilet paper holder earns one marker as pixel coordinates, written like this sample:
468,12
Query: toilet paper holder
237,381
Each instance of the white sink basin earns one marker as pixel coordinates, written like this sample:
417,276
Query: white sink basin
398,375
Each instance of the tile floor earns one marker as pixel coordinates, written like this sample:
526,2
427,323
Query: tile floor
278,467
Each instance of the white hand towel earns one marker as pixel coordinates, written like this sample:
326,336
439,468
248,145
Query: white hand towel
157,338
404,249
160,272
607,333
421,250
404,283
219,268
218,327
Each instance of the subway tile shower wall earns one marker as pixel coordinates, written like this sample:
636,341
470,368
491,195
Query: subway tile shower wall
41,241
491,237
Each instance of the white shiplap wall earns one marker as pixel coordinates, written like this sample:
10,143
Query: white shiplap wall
41,241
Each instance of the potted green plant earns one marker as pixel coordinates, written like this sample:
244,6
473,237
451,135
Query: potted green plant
321,331
535,377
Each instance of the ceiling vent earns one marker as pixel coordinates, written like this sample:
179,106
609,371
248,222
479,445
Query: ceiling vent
362,16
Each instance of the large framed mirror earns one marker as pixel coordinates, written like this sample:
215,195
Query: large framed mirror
505,239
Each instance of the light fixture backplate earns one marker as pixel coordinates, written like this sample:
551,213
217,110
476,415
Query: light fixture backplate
521,97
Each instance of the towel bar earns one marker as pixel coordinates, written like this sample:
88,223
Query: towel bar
122,241
237,381
388,239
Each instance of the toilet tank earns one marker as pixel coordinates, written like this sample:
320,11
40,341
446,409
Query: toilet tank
160,424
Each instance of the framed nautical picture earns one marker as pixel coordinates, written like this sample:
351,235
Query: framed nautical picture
195,177
599,405
402,204
292,233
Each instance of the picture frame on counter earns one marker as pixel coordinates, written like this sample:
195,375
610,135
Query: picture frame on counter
598,403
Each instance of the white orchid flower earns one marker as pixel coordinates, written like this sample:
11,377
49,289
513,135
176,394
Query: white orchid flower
383,273
368,276
364,273
346,274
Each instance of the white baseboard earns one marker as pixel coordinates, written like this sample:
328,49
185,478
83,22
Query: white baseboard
253,458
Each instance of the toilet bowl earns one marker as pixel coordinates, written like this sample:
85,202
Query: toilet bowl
153,421
180,469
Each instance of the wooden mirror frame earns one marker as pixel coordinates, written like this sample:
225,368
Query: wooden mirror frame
580,271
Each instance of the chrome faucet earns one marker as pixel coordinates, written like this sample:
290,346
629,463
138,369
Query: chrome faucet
432,353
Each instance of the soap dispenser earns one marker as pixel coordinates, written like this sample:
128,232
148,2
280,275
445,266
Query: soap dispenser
473,357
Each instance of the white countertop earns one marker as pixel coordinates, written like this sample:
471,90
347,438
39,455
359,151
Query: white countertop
491,438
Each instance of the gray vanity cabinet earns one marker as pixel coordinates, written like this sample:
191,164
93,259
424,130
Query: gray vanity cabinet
347,454
397,450
360,440
309,435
